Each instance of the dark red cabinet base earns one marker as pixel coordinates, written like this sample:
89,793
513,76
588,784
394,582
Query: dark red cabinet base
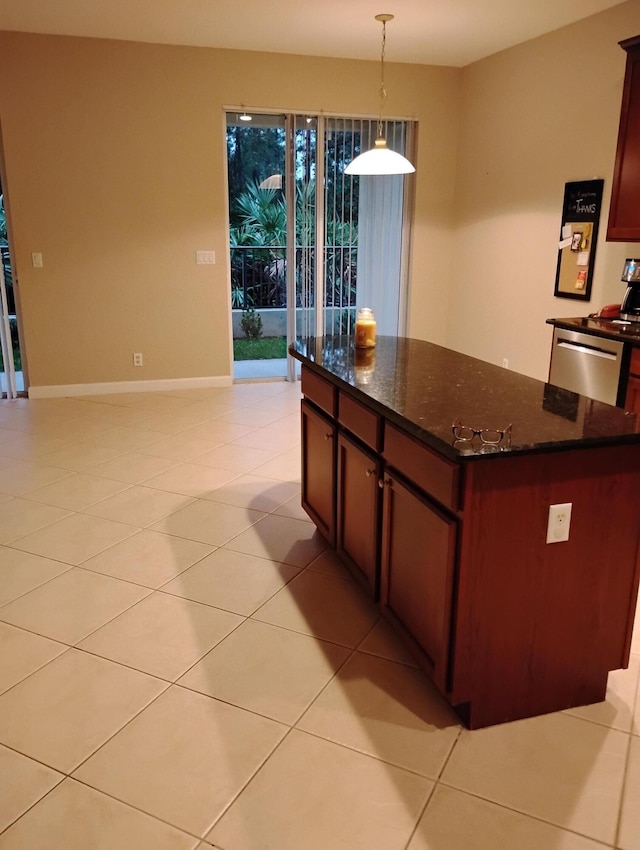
506,625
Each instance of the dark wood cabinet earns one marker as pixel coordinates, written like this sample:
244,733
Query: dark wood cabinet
624,213
358,510
506,625
633,394
418,556
387,504
632,401
318,469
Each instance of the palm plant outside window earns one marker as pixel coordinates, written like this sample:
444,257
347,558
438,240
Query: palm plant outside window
327,213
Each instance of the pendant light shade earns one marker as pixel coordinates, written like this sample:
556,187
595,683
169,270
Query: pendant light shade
380,159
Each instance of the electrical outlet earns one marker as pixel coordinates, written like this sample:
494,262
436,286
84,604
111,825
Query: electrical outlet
559,523
137,359
505,362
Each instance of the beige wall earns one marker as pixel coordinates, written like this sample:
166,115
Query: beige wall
533,117
115,169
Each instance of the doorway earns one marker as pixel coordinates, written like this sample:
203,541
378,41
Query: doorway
256,161
304,234
11,370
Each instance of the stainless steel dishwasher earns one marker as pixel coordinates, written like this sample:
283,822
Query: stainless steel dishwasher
586,364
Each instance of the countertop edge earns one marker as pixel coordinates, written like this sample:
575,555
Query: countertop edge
614,333
447,450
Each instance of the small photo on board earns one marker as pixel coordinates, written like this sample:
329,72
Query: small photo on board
576,241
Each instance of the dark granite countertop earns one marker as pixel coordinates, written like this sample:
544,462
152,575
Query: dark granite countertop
608,328
423,387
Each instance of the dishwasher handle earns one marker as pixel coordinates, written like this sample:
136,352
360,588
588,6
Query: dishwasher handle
587,349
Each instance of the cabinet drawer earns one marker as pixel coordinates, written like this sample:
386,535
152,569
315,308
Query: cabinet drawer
634,365
427,470
363,423
319,391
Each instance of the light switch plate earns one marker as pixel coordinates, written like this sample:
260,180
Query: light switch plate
205,258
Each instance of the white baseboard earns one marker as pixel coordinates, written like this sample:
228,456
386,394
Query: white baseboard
166,385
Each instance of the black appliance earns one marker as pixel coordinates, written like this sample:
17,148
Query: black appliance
630,309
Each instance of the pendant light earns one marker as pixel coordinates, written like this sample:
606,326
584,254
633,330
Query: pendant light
380,159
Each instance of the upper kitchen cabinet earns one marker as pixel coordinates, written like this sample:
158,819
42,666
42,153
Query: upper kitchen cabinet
624,215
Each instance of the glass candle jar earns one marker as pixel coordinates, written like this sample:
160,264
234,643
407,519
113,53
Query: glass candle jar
365,365
365,328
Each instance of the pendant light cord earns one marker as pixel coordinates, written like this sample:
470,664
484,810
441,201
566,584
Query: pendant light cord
383,90
380,159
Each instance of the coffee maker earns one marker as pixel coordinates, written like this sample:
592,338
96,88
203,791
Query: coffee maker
630,309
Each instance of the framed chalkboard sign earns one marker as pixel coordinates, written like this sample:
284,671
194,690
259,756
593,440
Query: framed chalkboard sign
578,238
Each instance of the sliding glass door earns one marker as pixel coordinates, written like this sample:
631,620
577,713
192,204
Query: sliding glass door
310,244
11,377
256,160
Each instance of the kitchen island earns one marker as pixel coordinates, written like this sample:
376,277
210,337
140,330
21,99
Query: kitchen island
450,537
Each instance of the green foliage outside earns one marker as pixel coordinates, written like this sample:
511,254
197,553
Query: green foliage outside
251,323
3,222
4,250
8,279
261,216
17,360
253,155
258,276
267,348
258,219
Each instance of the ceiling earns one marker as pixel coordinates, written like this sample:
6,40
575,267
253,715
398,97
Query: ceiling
433,32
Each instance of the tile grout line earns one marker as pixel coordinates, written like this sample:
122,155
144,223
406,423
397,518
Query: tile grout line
525,814
625,773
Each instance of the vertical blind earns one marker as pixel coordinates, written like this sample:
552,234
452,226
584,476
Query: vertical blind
366,215
8,377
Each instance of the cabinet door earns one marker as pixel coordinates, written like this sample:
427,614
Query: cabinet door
358,510
418,554
632,401
624,213
318,469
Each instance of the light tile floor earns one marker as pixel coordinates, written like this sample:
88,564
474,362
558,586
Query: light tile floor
183,663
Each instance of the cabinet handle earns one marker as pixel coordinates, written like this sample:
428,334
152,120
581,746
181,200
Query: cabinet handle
383,481
370,472
328,436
